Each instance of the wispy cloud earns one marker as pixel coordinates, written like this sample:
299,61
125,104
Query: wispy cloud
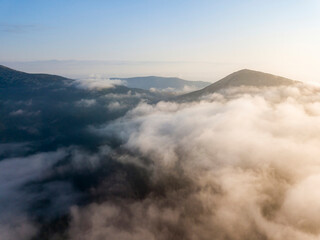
19,28
99,82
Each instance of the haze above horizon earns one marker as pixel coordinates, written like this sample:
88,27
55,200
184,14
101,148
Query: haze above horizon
196,40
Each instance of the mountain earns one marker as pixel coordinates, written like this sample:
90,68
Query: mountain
163,83
17,84
14,78
243,77
53,110
11,77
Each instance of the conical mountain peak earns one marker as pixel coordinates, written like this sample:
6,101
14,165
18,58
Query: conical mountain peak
244,77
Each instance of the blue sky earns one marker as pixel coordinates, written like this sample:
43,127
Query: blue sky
275,36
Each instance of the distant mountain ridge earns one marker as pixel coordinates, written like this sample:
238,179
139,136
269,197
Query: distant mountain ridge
13,82
162,83
11,77
244,77
35,107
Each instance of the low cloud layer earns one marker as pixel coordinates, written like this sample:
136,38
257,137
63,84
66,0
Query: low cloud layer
98,82
242,163
239,165
169,90
15,173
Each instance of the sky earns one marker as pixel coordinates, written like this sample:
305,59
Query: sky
198,40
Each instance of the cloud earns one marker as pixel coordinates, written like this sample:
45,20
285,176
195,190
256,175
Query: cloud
98,82
19,28
115,106
86,102
183,90
127,95
17,112
21,229
242,164
14,174
21,112
238,164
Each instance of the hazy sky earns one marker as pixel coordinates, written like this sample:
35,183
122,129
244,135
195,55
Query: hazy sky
191,39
